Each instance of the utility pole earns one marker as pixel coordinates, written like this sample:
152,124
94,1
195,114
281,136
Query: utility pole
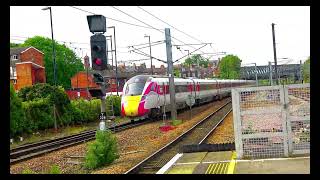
270,72
54,66
255,67
275,53
115,54
301,68
171,75
150,54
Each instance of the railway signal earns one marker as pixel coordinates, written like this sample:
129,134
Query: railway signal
98,52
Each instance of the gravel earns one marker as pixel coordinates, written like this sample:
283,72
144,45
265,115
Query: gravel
134,145
223,133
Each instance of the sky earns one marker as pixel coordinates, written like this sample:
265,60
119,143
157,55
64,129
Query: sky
238,30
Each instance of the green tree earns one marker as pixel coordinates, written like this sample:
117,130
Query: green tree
229,67
67,63
194,59
16,114
306,71
14,45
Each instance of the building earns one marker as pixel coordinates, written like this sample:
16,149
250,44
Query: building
26,67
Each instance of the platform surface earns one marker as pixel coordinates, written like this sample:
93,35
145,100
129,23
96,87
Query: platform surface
225,162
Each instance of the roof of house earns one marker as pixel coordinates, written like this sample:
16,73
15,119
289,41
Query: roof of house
14,51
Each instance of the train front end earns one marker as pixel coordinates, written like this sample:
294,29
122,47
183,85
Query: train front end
132,101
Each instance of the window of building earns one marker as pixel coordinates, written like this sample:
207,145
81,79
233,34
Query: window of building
14,57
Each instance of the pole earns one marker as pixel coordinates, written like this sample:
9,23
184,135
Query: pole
301,74
150,56
103,110
170,73
111,52
270,72
54,69
115,54
255,67
275,54
198,69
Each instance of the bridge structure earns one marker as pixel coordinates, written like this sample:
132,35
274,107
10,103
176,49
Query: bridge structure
263,72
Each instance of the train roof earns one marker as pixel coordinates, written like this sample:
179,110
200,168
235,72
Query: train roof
161,78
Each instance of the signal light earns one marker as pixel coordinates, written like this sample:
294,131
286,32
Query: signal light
98,61
99,52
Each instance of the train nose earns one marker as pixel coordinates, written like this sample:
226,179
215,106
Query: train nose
131,105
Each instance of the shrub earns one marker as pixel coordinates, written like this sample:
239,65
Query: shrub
39,114
17,118
101,152
55,170
116,104
28,171
55,94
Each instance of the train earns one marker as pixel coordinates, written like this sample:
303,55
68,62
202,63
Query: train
147,96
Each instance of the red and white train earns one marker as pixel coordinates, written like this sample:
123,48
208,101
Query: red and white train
146,96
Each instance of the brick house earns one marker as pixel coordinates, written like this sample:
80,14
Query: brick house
26,67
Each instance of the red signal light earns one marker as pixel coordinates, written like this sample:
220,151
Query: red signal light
98,61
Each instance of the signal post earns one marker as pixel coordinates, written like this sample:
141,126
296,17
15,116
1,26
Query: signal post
99,61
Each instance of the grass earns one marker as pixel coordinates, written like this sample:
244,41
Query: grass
176,122
63,131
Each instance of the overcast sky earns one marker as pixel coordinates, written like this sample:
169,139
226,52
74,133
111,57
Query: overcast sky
242,31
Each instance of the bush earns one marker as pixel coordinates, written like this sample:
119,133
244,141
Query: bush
55,170
17,116
28,171
101,152
55,94
116,104
39,114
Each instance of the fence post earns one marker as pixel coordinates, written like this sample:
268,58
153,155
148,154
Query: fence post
237,122
287,120
284,105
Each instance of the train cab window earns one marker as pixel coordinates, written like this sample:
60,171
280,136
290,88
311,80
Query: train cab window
153,87
135,86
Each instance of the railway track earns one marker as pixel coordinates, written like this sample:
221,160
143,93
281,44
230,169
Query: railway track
195,135
28,151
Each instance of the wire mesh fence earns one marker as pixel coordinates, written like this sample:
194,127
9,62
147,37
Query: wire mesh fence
271,121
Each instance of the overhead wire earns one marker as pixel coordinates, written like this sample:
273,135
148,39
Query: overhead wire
168,24
149,25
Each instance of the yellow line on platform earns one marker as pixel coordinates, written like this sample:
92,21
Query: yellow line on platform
232,163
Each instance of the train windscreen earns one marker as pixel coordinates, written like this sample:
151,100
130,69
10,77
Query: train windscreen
135,85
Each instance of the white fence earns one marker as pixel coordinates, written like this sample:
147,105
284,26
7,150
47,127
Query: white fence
272,121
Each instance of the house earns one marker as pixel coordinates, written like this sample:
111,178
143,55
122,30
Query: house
26,67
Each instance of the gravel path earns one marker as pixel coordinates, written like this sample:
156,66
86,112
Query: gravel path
223,133
134,145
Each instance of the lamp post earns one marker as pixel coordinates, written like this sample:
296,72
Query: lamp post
54,65
150,53
115,54
53,48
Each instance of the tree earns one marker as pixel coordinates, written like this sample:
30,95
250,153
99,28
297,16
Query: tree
14,45
67,63
16,114
229,67
194,60
306,70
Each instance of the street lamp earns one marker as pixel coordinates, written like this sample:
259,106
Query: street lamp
115,54
53,47
150,53
54,65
